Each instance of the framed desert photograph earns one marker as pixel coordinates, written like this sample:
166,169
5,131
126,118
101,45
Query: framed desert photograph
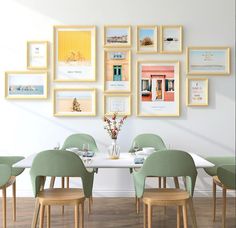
117,70
208,60
146,39
171,39
74,102
37,55
117,36
197,91
158,88
117,103
26,85
74,53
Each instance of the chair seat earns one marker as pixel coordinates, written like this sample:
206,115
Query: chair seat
61,196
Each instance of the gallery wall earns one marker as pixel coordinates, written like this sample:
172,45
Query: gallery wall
28,126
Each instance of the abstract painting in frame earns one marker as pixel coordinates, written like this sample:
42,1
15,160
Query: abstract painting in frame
146,39
158,88
117,36
74,102
37,55
74,53
208,60
197,91
171,39
117,70
119,103
26,85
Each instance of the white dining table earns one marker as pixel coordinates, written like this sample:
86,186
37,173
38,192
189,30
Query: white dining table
101,160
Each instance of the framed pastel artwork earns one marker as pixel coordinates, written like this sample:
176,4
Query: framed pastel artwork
26,85
117,36
119,103
37,55
158,88
117,70
197,91
74,102
74,53
146,39
208,60
171,39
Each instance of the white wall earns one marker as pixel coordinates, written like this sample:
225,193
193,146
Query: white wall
28,126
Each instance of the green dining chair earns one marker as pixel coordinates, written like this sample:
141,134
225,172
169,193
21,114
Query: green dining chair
7,178
167,163
59,163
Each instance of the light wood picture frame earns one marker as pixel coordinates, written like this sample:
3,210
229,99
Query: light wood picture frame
74,102
37,55
197,91
157,88
117,70
26,85
117,36
74,53
208,60
147,39
117,103
171,37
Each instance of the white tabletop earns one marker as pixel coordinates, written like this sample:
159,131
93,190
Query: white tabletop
126,160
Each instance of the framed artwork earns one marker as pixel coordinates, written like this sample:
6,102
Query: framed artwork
74,53
74,102
117,36
171,39
120,103
37,55
208,60
158,88
197,91
26,85
146,39
117,70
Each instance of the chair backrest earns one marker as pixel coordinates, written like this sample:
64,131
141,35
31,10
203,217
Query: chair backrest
227,175
77,140
5,174
10,160
149,140
167,163
60,163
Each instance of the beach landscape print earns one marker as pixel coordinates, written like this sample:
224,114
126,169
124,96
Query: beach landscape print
74,102
25,85
146,39
209,60
117,36
158,88
74,53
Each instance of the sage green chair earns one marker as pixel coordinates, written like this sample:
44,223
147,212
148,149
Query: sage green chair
7,178
59,163
167,163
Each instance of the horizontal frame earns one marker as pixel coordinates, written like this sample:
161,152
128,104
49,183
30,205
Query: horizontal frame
92,90
228,61
9,73
93,52
188,80
128,27
105,96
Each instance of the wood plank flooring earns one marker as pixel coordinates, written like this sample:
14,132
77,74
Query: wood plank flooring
120,212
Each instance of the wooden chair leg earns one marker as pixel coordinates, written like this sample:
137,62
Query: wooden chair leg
62,186
81,215
214,201
224,207
159,180
42,208
178,216
164,182
52,182
68,182
149,216
76,215
185,217
144,215
176,182
36,214
192,212
48,216
4,199
14,200
137,205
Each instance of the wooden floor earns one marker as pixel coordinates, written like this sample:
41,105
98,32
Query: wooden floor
120,212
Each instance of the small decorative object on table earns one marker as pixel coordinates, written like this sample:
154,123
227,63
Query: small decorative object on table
113,127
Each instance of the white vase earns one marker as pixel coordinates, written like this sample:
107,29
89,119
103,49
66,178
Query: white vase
114,150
